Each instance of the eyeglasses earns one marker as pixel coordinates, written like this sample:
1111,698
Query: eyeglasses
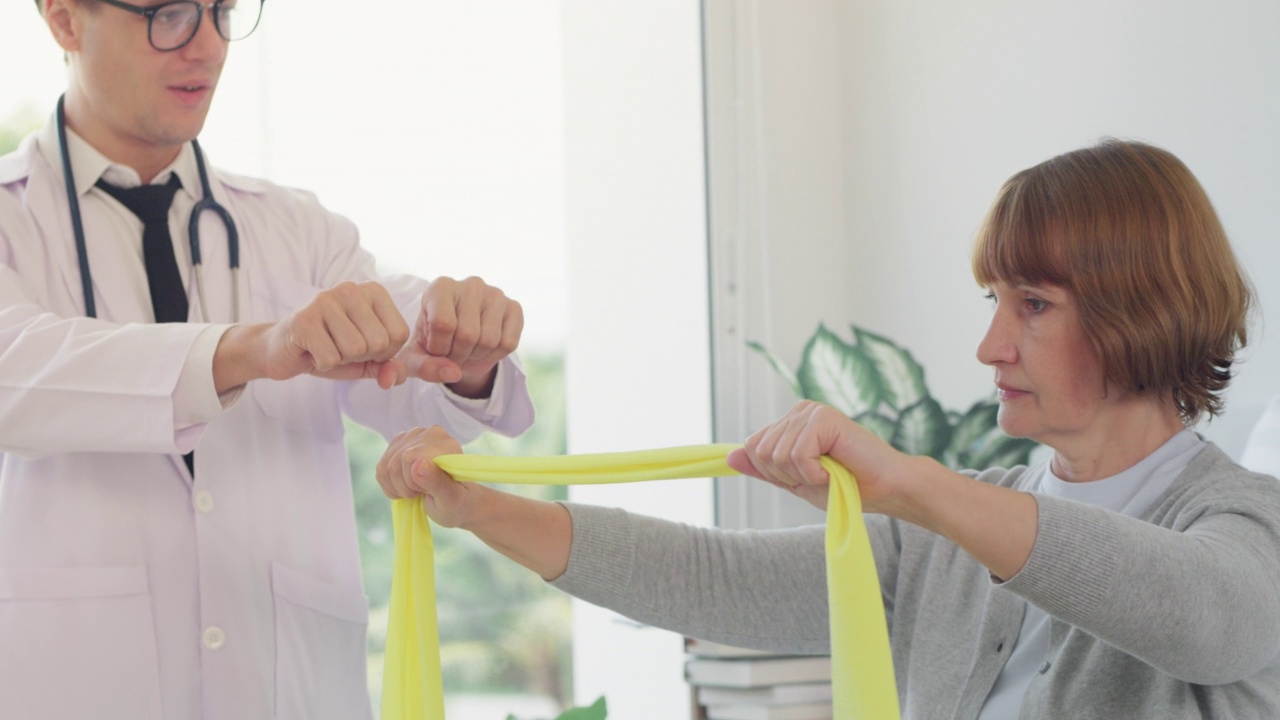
171,25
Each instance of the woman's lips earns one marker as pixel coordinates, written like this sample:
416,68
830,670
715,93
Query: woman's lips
1005,392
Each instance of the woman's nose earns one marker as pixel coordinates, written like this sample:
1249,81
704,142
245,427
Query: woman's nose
999,344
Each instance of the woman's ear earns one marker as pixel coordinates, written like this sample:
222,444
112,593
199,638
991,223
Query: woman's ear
64,18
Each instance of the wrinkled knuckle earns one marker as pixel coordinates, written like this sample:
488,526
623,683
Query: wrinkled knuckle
377,341
796,456
354,348
779,456
466,336
444,326
347,290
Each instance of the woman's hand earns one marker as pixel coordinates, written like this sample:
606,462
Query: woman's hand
787,454
535,533
996,525
407,469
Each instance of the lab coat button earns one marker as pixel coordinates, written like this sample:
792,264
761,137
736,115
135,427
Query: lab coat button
1045,667
214,637
204,501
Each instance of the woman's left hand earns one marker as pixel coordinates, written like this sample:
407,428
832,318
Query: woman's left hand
996,525
786,453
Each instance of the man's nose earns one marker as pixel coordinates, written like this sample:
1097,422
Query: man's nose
207,44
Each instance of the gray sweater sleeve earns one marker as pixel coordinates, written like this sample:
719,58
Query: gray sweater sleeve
1193,589
764,589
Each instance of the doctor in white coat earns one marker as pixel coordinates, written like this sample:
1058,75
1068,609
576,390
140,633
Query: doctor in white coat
130,586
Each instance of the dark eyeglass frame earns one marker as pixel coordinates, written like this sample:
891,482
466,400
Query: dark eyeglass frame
150,14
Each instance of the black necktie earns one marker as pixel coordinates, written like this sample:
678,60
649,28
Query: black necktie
151,204
168,297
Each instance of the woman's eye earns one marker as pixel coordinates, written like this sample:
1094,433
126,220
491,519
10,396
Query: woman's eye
1036,305
990,297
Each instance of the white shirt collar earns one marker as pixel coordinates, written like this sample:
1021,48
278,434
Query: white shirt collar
88,164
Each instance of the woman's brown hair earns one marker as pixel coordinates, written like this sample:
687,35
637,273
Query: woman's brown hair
1130,232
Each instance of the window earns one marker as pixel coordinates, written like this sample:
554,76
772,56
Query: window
452,134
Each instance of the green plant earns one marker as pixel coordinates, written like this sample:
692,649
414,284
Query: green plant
595,711
881,387
16,126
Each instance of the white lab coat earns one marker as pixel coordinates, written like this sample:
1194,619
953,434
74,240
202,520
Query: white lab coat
126,589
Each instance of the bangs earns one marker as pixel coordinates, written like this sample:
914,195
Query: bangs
1021,238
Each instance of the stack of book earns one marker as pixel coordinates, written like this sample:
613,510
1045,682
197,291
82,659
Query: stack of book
738,684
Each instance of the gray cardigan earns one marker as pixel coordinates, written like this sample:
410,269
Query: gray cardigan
1175,615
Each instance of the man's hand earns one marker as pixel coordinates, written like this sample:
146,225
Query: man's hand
350,331
464,329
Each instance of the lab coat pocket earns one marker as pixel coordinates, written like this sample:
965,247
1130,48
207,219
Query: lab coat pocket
320,648
77,643
305,405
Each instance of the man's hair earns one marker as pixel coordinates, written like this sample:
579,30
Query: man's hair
1129,231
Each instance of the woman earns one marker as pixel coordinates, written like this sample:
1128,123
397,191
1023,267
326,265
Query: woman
1134,574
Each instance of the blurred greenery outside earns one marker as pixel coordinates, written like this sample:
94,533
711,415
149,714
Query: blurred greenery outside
17,126
503,631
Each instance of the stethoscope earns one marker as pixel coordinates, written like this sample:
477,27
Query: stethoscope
193,230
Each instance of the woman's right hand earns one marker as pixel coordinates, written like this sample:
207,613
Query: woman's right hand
408,469
535,533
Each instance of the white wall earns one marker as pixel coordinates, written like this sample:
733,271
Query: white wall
946,101
435,126
926,108
638,373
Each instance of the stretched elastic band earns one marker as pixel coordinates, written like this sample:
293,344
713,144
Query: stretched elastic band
861,666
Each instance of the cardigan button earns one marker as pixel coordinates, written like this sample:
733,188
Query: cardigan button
1045,667
1000,646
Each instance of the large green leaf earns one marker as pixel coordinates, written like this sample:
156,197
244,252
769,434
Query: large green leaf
1008,452
882,426
902,377
922,429
995,449
838,374
778,366
971,428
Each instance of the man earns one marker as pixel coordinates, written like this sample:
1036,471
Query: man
177,535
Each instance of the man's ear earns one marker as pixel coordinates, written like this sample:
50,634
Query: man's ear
65,20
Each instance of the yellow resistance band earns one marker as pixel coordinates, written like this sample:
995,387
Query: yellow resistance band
861,667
